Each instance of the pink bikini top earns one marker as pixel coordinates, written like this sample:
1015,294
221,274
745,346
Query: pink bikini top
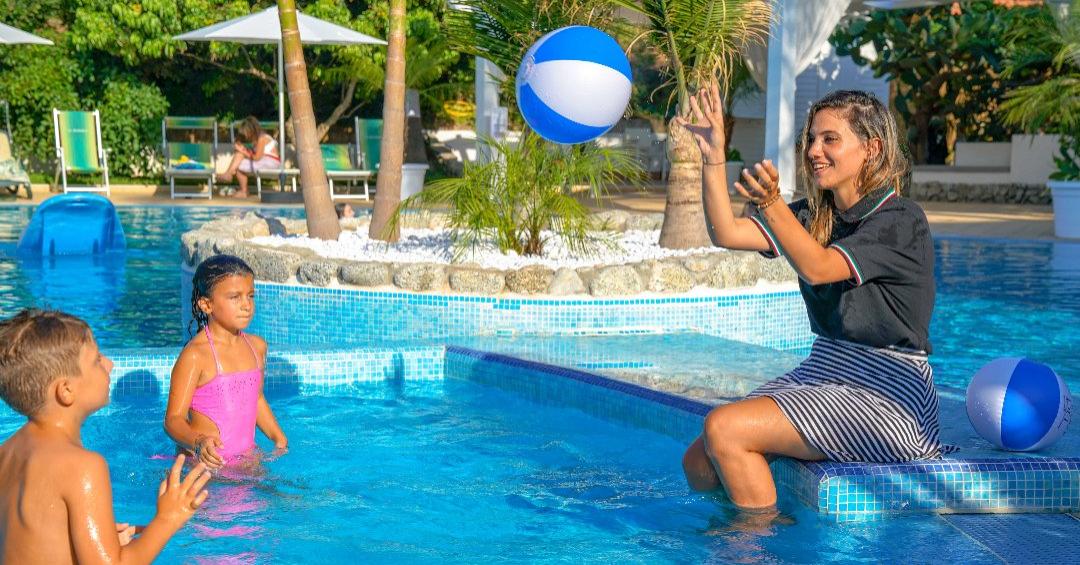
231,402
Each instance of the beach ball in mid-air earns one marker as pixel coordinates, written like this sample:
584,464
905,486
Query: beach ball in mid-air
573,84
1018,404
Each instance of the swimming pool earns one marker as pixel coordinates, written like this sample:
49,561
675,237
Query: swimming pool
511,479
995,298
450,470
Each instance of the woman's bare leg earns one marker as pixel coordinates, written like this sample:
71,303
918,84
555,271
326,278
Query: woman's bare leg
242,180
734,445
234,166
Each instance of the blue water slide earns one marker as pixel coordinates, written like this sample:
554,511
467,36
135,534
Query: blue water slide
73,224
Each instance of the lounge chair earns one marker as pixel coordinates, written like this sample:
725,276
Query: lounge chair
189,159
341,166
368,143
12,173
79,149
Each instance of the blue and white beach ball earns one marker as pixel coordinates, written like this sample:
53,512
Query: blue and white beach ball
1018,404
573,84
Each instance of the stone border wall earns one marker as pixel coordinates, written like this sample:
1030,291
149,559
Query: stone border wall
984,193
719,269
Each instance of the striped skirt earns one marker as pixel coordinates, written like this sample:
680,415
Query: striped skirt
858,403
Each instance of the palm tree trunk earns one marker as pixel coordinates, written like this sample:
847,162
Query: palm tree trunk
322,221
684,215
392,151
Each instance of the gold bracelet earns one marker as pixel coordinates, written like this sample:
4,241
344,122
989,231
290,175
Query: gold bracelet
769,201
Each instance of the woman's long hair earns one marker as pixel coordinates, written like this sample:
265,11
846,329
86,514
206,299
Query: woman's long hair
250,130
869,119
207,274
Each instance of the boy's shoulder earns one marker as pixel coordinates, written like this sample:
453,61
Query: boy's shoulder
49,456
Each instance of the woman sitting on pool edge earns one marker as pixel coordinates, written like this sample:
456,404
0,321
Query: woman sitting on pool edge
865,261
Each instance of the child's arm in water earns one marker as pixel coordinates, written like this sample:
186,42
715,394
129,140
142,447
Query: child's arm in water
185,378
91,524
265,419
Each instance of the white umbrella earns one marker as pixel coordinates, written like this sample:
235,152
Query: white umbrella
265,28
10,36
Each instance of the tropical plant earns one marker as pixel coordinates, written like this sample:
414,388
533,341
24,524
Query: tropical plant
525,192
322,220
700,41
1053,104
392,149
948,67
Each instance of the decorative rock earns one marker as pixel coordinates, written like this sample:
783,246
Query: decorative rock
616,281
668,277
699,263
776,270
365,274
566,281
734,271
530,280
420,277
476,281
644,222
317,273
269,264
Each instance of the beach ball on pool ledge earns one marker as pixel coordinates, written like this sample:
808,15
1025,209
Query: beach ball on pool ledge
1018,404
573,84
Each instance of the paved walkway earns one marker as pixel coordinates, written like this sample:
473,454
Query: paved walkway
946,218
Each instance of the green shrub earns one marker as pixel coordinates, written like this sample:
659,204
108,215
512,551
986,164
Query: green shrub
1068,163
524,190
131,116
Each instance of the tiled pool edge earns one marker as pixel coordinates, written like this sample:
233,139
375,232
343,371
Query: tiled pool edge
844,491
837,490
772,316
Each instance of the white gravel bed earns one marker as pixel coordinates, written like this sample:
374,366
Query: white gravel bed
435,246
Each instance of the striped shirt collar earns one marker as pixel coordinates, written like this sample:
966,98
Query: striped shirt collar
871,202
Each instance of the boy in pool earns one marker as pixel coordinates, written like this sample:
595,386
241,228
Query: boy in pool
55,495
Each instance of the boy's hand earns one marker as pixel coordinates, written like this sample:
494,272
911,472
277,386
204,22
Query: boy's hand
179,499
206,451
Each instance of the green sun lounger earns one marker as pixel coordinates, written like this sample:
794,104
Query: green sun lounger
189,160
341,165
12,173
79,150
368,143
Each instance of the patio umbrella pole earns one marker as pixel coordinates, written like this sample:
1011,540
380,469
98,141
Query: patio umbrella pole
281,114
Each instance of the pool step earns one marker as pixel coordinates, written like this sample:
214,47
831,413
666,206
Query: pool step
984,485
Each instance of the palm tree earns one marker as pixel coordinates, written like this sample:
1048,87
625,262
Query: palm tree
322,221
392,150
701,41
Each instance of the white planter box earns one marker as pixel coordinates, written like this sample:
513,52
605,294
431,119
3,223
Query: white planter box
412,178
982,154
1066,207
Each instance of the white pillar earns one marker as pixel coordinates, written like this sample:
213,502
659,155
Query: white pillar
487,79
281,114
780,97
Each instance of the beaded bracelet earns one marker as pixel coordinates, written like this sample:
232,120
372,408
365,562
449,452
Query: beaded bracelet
769,201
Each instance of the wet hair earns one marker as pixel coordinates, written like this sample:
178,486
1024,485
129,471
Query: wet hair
249,129
340,209
36,348
869,119
210,272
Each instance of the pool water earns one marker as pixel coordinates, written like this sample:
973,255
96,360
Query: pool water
130,299
453,471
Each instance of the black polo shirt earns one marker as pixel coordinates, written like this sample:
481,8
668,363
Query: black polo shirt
888,302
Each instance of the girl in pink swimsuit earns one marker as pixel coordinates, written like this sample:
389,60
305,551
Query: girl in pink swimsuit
215,396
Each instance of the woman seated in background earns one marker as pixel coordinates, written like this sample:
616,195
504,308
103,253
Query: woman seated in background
264,155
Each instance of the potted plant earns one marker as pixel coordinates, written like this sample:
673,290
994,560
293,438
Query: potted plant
1065,189
1053,105
415,166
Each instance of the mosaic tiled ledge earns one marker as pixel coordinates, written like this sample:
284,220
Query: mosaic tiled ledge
292,314
843,491
713,269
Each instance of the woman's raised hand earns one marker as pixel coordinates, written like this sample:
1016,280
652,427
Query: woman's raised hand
707,126
760,183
